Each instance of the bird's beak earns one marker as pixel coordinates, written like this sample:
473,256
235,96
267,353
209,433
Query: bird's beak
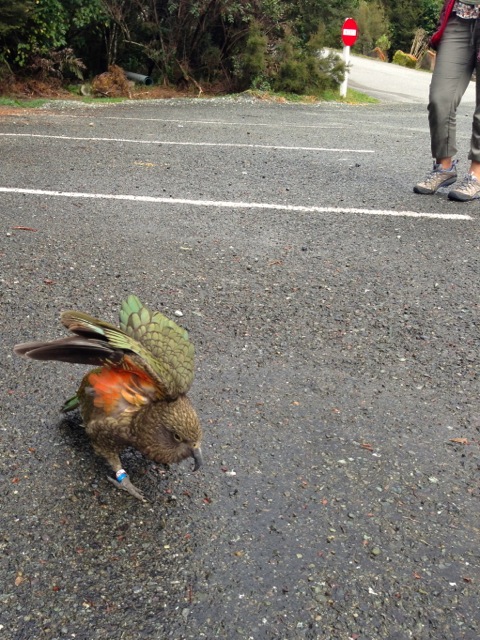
197,456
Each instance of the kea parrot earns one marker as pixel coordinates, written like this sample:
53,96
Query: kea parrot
136,397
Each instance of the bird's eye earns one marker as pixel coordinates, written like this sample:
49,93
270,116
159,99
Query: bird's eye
176,437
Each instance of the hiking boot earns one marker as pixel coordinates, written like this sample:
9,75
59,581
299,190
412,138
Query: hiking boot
437,178
469,189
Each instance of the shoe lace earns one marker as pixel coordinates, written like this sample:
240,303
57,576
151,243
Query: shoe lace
469,182
432,177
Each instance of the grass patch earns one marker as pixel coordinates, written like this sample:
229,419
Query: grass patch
40,102
353,97
27,104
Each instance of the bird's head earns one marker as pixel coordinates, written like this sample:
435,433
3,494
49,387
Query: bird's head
177,434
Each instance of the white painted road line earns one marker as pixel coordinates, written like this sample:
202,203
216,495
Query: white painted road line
269,125
186,144
219,204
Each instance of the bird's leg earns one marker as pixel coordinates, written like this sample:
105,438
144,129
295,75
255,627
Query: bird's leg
121,480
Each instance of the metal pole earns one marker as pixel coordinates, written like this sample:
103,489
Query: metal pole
346,59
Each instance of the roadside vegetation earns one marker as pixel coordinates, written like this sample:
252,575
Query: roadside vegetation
199,47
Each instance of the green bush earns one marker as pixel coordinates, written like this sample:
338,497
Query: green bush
309,74
404,59
305,69
251,63
292,77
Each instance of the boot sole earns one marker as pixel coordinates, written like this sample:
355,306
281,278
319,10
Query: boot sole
460,197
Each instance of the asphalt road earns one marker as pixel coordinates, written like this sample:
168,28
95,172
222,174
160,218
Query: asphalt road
335,317
392,83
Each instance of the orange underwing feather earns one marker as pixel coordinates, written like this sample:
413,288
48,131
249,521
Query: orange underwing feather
116,390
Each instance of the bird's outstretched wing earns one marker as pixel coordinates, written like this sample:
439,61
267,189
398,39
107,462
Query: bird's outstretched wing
156,343
146,341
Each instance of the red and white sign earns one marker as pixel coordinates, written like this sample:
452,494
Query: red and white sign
349,32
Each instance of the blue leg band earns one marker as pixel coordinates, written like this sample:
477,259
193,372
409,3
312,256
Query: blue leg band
121,475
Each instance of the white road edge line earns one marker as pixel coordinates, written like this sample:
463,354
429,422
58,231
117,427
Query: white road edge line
186,144
238,205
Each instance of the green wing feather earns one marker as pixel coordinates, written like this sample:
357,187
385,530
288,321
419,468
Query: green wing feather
170,353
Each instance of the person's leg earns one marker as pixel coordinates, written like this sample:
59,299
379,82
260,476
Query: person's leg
454,65
469,188
474,155
453,70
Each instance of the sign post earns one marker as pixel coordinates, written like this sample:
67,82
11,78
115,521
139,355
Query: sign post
349,37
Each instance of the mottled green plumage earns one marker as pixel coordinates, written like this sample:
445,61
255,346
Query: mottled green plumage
171,352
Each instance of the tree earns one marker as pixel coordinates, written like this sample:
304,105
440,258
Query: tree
430,13
308,14
372,25
406,16
13,17
39,28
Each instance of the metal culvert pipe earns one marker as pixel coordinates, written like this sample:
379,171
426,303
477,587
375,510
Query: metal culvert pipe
139,78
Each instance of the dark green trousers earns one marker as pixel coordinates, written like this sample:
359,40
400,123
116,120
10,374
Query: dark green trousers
457,58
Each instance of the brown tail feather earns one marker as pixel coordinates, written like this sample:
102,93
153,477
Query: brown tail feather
72,349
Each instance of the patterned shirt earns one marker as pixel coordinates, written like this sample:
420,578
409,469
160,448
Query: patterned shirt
466,11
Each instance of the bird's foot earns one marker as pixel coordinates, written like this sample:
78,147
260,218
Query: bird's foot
122,481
